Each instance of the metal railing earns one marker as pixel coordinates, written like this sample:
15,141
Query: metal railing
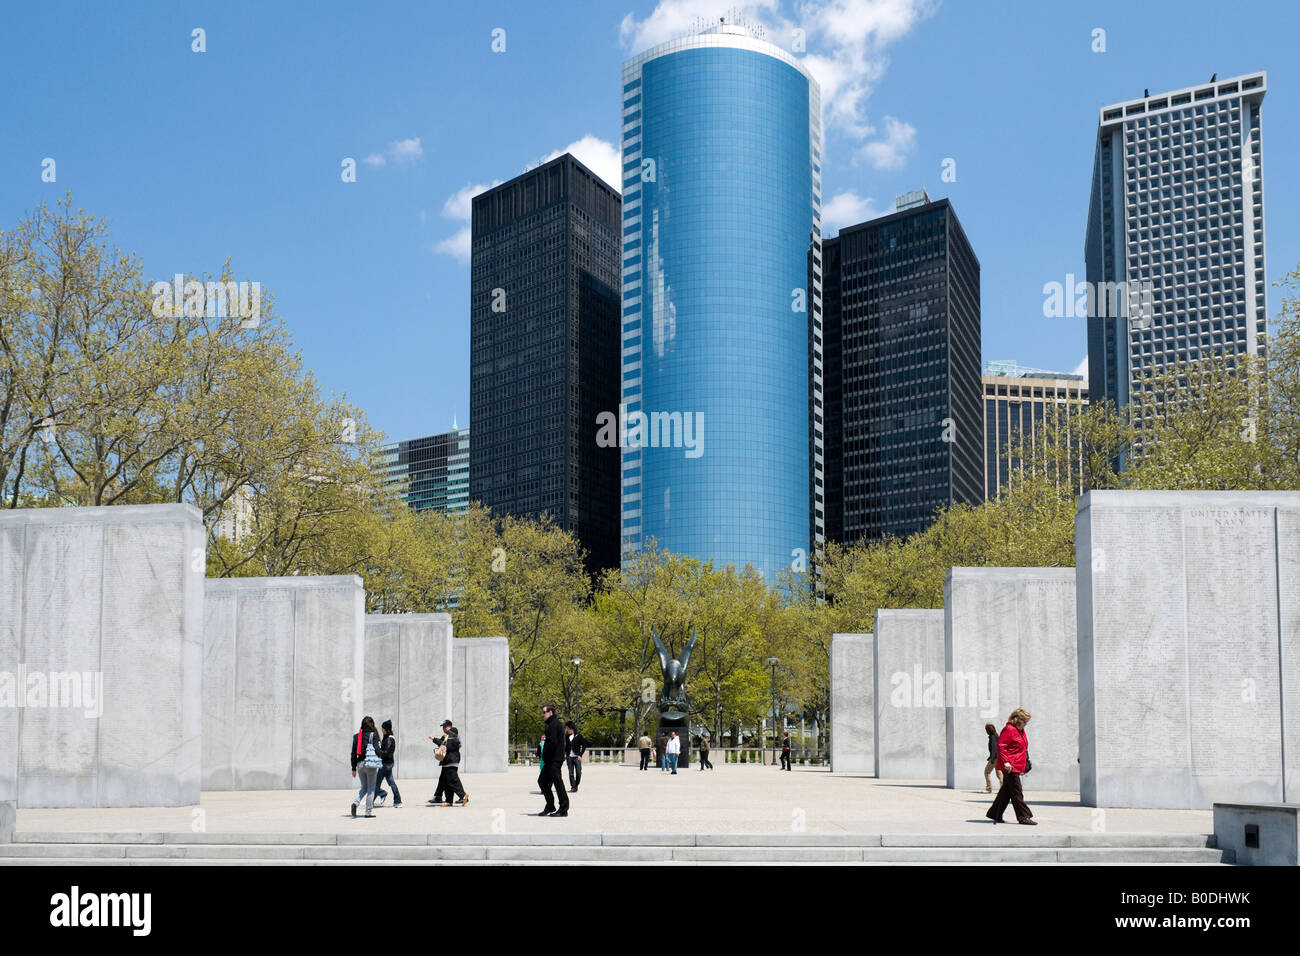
755,756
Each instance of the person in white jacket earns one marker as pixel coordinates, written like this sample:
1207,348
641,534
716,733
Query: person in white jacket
674,748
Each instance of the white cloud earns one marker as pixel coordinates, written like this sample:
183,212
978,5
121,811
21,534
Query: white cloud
405,150
457,245
400,152
601,157
848,209
845,40
674,18
891,151
460,204
1082,368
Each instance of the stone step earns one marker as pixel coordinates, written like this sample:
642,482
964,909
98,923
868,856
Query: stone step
1002,838
158,853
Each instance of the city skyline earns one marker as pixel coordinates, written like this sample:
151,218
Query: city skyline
1025,215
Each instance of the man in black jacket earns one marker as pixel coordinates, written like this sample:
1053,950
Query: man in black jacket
552,761
574,748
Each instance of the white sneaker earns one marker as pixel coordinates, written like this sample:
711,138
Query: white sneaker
397,806
379,801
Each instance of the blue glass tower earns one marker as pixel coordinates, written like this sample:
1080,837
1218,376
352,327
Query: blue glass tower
722,302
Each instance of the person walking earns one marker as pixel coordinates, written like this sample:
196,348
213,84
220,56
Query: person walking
704,753
663,751
436,799
574,748
992,765
674,750
552,760
449,778
1013,759
643,744
388,754
442,794
785,751
365,758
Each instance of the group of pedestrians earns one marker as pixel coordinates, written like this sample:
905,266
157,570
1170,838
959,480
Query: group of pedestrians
373,756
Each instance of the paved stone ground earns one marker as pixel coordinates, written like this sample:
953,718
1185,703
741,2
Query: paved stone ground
620,799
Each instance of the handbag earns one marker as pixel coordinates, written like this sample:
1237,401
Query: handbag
441,753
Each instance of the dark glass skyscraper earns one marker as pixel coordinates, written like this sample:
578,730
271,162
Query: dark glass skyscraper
902,332
722,300
432,473
544,351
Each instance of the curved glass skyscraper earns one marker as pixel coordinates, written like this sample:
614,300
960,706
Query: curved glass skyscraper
722,301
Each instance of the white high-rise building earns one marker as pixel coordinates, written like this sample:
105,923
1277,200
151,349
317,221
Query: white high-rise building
1176,223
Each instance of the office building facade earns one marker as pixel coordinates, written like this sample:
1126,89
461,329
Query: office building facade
431,473
1176,220
905,320
722,302
544,351
1017,400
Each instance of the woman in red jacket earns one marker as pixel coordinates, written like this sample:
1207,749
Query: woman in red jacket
1013,760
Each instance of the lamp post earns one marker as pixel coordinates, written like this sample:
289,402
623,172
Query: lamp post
577,687
772,662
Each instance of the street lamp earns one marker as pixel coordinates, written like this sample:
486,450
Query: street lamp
772,662
577,687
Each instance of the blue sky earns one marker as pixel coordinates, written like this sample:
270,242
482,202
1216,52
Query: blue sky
236,152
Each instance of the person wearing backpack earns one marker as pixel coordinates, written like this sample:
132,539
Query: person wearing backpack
366,759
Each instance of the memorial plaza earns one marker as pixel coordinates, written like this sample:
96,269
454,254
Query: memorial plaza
734,814
1179,622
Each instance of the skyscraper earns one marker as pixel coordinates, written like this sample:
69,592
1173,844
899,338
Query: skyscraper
432,473
722,301
1016,401
905,323
1177,210
544,351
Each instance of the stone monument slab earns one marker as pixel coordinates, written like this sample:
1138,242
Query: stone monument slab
480,700
853,718
1010,640
283,681
1186,612
408,680
909,695
101,653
